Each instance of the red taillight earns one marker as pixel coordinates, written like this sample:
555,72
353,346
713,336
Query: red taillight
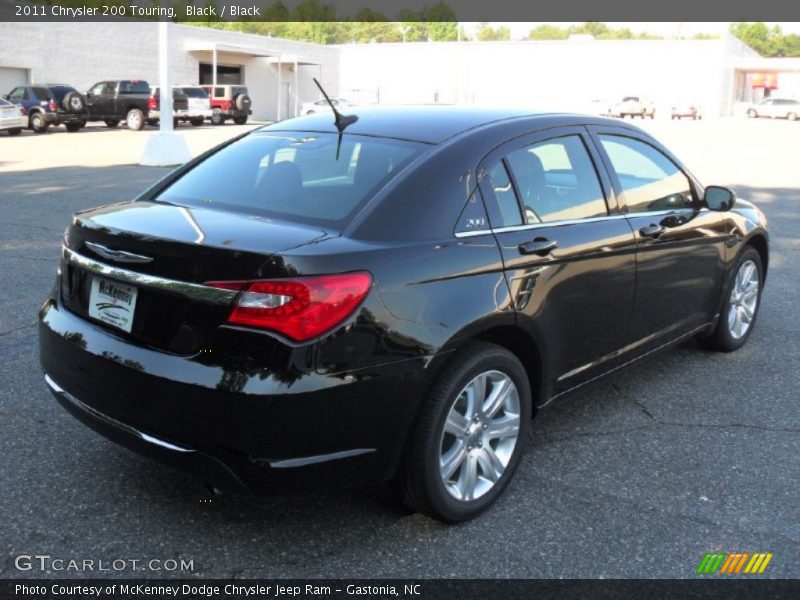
152,104
53,105
300,309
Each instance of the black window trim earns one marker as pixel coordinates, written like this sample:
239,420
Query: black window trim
610,193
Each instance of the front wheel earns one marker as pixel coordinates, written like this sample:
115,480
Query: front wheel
73,127
752,113
198,122
469,436
15,131
792,116
740,309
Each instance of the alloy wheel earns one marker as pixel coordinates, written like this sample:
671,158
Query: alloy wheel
479,435
743,300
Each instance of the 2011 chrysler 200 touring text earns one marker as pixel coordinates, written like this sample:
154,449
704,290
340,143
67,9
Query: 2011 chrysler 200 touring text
391,297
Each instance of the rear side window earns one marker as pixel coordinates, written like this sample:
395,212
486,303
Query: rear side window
59,91
294,176
41,93
236,90
193,92
649,180
505,198
557,181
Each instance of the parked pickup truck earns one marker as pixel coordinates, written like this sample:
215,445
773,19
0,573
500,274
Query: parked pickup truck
180,105
114,101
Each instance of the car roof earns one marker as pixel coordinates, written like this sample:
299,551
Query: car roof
432,124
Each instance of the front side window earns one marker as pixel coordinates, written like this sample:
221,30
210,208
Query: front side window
109,89
557,181
19,93
294,176
649,180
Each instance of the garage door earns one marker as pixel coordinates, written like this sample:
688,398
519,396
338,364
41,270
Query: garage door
11,77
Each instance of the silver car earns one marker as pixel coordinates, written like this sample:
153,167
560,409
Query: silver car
776,108
12,119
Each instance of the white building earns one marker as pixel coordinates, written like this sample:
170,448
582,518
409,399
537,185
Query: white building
564,75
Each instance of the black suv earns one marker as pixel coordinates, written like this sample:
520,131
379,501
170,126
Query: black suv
50,104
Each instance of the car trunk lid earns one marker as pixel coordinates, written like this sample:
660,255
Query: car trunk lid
167,253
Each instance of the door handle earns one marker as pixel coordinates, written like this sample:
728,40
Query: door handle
652,231
539,246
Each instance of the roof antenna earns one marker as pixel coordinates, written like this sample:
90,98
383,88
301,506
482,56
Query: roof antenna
341,121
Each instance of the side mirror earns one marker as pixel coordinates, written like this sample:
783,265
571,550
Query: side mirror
719,198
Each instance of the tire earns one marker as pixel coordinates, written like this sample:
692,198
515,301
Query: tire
135,119
217,118
792,116
242,103
73,127
196,122
726,337
752,113
38,123
422,484
15,131
311,112
111,123
73,102
240,120
175,123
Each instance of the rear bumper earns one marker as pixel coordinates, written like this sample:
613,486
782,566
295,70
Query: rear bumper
13,122
236,430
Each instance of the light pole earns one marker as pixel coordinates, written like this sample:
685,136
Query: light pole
166,147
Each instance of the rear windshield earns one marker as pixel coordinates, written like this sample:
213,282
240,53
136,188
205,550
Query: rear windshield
134,87
294,176
59,91
194,92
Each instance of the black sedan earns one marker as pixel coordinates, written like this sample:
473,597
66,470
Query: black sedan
391,298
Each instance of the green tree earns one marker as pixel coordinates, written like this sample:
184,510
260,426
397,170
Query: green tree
548,32
487,33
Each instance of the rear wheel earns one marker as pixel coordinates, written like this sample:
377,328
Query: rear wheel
240,120
792,116
196,122
469,437
752,113
135,119
38,123
73,127
740,309
111,123
217,118
15,131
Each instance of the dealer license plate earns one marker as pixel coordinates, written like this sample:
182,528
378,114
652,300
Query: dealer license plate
112,303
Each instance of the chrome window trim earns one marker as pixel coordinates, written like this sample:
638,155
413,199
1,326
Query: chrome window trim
531,226
193,291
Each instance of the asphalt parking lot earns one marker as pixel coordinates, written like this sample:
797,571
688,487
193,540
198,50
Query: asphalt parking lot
638,476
